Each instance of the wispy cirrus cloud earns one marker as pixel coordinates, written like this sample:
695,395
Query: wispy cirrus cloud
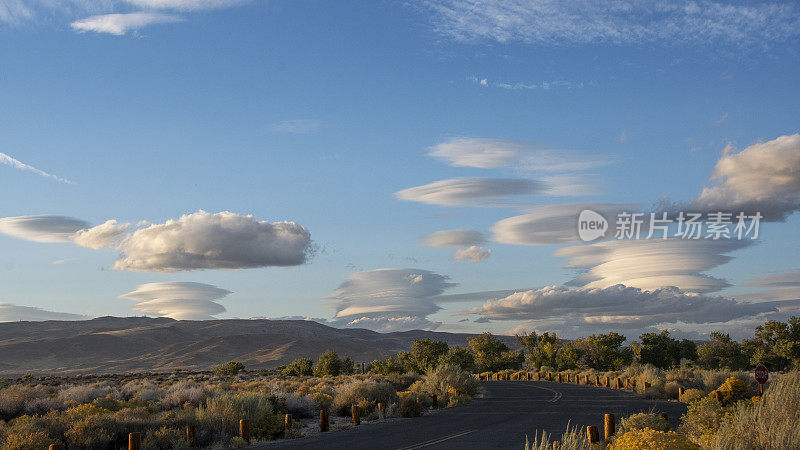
17,164
120,24
531,86
576,22
296,126
106,16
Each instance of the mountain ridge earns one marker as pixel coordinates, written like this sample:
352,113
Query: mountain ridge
142,344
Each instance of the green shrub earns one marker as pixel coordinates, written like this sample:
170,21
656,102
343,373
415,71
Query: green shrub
229,369
330,365
448,382
299,367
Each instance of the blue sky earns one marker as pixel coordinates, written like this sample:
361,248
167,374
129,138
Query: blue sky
319,113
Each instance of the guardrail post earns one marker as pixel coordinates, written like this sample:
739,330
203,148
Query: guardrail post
287,423
560,378
681,391
381,411
592,435
324,423
608,381
56,446
619,383
646,386
244,430
597,380
191,435
134,441
356,413
434,402
718,396
609,427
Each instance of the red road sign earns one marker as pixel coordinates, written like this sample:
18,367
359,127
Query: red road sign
762,374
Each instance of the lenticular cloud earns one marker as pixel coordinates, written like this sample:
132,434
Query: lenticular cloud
178,300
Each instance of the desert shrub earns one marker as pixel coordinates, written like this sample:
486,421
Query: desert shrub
733,390
644,420
298,406
711,379
165,438
14,398
230,368
145,390
354,392
183,392
691,395
408,406
571,439
671,389
647,439
83,393
36,440
769,423
324,401
222,414
655,377
448,383
92,432
702,420
41,405
299,367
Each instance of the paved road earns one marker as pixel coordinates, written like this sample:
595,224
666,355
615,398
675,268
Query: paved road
501,420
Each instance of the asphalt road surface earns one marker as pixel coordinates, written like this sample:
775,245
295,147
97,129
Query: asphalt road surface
510,410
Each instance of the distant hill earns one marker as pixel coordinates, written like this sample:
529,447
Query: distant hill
134,344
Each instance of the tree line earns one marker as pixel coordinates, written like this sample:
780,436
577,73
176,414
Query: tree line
775,344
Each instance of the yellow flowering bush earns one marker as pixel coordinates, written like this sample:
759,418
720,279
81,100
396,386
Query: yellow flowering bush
647,439
733,390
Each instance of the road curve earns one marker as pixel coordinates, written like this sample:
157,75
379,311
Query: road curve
509,411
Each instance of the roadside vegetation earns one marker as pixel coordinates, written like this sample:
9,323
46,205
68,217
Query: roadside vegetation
714,379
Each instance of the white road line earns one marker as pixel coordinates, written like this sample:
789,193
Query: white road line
438,440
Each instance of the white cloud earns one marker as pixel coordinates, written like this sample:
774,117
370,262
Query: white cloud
473,254
453,238
617,307
554,224
63,261
764,177
10,312
178,300
9,161
389,299
296,126
107,235
651,263
186,5
493,153
41,228
544,22
119,24
214,241
194,241
471,191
